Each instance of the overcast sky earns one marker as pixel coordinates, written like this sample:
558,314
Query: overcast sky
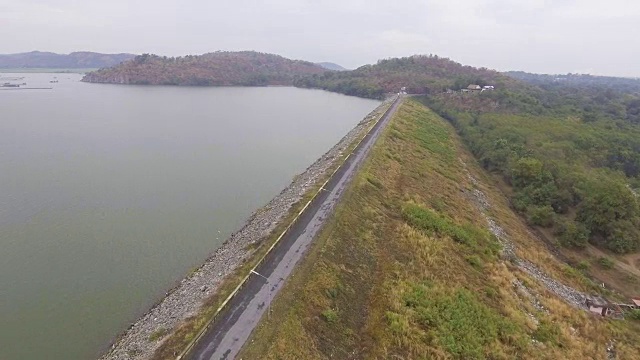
586,36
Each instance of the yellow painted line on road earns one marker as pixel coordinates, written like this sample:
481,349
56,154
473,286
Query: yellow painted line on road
244,280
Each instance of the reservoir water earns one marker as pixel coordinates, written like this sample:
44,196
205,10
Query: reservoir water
110,194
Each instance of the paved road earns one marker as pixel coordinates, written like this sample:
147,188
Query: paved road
233,327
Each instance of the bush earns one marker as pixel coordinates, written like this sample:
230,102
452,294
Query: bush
606,263
332,293
540,215
583,265
624,237
330,316
634,314
572,234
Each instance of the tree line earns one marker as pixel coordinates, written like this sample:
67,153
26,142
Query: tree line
570,152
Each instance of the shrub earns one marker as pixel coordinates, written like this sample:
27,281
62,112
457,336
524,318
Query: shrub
606,263
634,314
572,234
583,265
330,315
332,293
540,215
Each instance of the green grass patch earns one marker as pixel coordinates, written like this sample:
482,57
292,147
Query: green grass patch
548,332
606,263
330,315
459,322
390,277
434,223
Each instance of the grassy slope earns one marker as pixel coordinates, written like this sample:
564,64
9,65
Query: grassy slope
183,335
556,139
406,270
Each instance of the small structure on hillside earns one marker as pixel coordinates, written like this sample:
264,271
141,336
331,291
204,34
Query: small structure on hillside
487,87
474,87
602,307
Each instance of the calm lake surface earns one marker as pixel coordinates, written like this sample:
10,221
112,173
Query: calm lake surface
110,194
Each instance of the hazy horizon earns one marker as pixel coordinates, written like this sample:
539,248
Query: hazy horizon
323,61
537,36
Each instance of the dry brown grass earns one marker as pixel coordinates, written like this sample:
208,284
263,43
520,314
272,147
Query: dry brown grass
401,291
183,335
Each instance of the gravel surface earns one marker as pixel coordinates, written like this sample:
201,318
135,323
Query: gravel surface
188,296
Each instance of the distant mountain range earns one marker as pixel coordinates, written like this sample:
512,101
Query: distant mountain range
331,66
75,60
221,68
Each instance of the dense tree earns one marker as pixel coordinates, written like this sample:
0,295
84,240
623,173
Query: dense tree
570,150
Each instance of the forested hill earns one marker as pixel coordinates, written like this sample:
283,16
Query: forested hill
48,60
578,80
569,146
244,68
419,74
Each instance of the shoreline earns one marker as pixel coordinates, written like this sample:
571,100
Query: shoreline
145,335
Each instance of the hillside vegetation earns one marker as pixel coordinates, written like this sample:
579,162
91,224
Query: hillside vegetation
75,60
409,268
420,74
582,80
571,154
244,68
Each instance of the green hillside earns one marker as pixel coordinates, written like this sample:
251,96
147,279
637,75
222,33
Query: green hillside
424,259
419,74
